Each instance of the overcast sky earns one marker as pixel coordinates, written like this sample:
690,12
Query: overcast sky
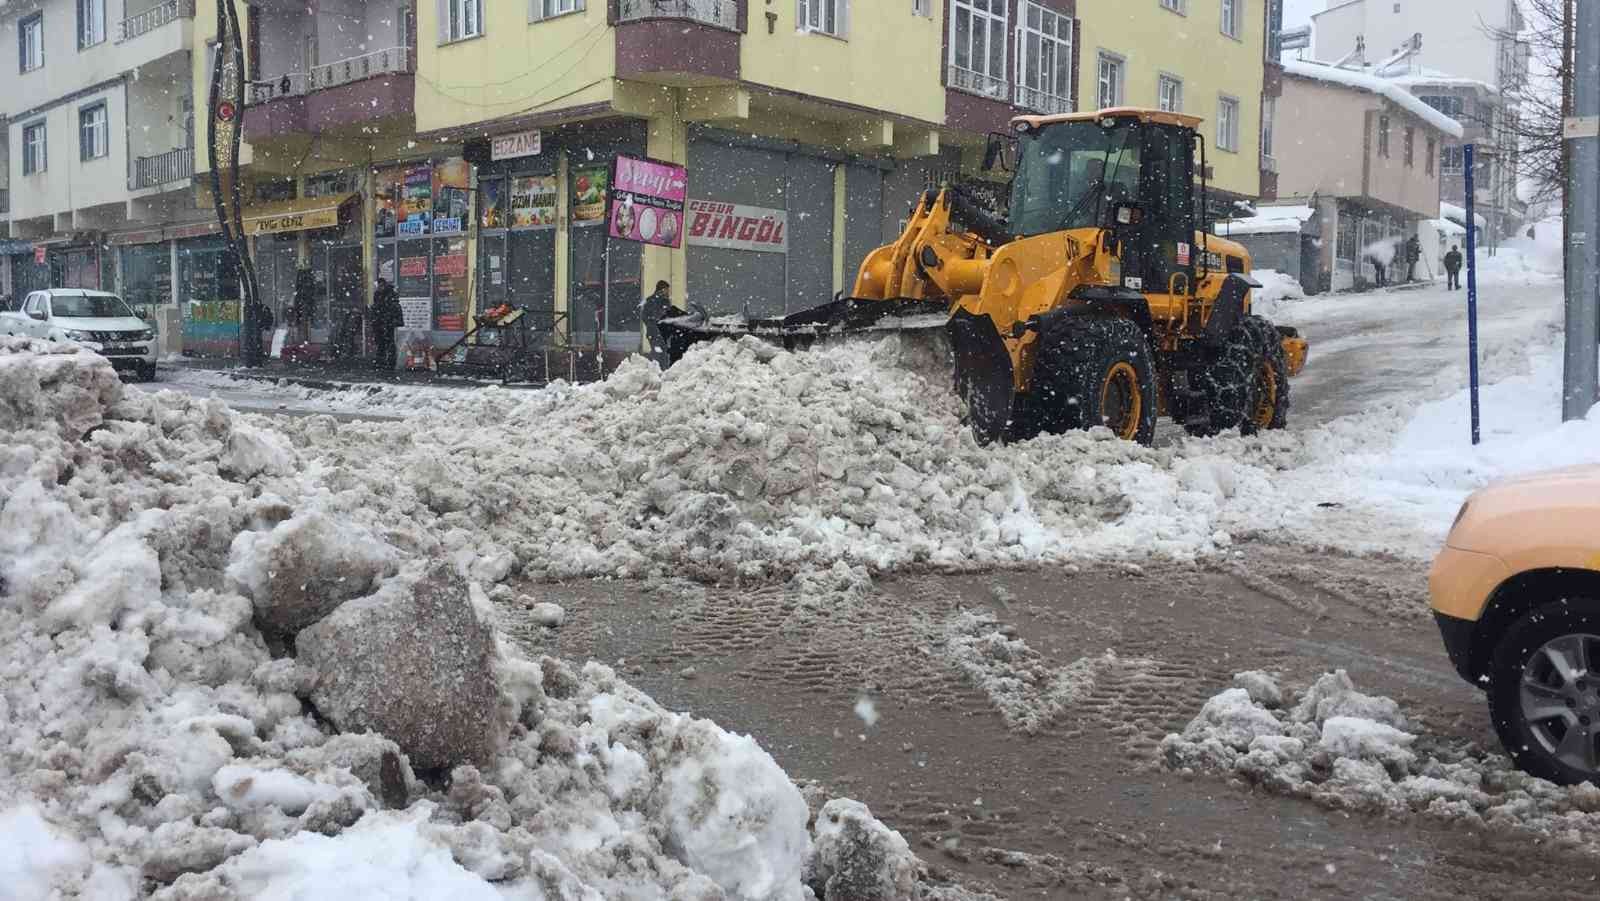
1298,12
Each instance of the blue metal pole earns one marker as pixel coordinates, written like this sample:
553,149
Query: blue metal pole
1472,291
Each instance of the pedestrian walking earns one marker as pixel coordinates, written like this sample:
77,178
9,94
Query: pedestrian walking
386,317
1452,268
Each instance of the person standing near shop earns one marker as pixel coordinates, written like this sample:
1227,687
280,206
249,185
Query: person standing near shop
652,310
386,317
1452,268
1413,254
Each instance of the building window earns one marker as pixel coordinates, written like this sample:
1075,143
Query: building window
1169,94
1269,115
1451,160
33,149
823,16
1410,146
922,8
1109,87
91,22
978,46
459,20
1428,160
1383,136
1232,17
1450,106
549,9
1174,5
30,42
1274,30
404,26
1044,72
93,133
1228,124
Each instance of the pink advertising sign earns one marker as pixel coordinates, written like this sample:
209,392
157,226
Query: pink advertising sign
646,202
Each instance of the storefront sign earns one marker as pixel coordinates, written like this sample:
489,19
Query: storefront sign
589,196
533,201
416,200
447,226
153,236
413,267
451,196
292,222
735,226
453,264
416,312
523,143
38,256
413,229
647,202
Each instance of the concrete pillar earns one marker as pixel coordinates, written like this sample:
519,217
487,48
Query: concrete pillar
668,141
369,229
840,197
563,274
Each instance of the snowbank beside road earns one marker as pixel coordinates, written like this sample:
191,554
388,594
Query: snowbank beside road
161,737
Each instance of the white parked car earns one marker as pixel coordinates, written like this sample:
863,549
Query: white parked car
95,319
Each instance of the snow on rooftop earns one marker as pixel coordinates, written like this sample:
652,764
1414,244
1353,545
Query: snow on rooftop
1268,220
1425,77
1383,87
1458,215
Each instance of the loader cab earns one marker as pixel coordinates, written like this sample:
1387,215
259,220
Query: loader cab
1128,173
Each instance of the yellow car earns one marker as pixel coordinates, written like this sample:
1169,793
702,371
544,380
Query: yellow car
1516,592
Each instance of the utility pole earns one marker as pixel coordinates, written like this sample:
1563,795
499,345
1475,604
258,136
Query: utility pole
1582,135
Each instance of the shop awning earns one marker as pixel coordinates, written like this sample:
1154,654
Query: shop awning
295,215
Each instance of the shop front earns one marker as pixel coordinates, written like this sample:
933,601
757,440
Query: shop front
315,243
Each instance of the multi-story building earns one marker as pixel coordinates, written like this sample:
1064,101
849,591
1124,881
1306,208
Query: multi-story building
1361,154
99,148
1463,56
457,147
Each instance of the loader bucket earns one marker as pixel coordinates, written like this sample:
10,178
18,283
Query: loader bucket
983,374
840,317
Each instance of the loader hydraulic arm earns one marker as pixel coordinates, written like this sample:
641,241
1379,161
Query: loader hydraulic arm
930,260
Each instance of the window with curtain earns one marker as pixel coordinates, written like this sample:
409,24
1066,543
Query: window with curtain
93,133
1109,88
1044,39
1169,93
824,16
549,9
30,43
1269,115
459,20
978,45
91,22
1228,124
1232,16
34,158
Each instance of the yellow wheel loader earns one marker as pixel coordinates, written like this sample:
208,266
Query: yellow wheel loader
1100,299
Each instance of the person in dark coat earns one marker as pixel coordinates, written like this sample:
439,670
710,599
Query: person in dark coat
656,307
1413,254
1452,268
386,317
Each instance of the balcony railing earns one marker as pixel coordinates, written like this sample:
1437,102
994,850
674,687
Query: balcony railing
1042,101
162,169
392,61
978,83
162,13
721,13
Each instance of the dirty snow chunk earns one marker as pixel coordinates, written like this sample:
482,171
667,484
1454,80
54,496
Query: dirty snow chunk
1333,694
1234,719
1348,736
493,568
251,452
251,788
867,711
1262,688
549,615
858,858
438,697
36,860
305,567
385,855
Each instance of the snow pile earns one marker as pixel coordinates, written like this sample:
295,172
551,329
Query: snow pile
162,740
1276,287
1373,84
1352,751
1522,258
1269,220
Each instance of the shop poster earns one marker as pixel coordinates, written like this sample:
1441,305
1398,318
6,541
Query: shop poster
450,285
589,196
416,312
452,180
533,201
386,188
416,201
734,226
646,202
491,196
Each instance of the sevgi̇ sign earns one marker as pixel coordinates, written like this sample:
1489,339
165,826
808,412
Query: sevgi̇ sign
646,201
735,226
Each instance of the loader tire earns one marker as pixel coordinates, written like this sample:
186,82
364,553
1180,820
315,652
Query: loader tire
1225,384
1095,372
1269,402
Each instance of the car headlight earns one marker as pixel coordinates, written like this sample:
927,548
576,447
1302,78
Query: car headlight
73,335
148,334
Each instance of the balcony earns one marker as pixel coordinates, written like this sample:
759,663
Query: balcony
1042,101
978,83
334,96
718,13
163,13
162,169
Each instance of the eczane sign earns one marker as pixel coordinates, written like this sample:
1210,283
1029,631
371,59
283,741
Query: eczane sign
523,143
